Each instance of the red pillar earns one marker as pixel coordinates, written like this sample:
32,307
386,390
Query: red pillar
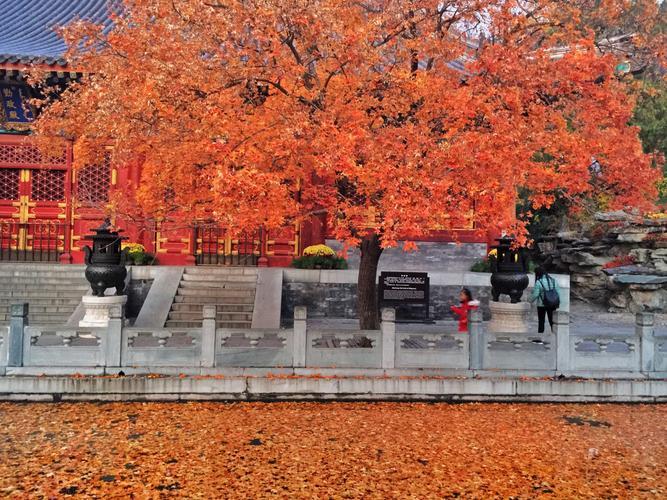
66,256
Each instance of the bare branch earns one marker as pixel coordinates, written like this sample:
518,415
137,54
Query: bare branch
289,41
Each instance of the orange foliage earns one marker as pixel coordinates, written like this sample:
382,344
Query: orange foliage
260,115
333,450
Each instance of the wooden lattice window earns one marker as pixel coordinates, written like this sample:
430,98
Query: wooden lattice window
25,154
48,185
93,183
9,183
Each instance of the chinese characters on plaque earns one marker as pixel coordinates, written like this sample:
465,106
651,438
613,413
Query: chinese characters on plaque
14,108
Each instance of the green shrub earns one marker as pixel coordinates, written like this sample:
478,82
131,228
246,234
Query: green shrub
319,262
142,258
481,266
484,266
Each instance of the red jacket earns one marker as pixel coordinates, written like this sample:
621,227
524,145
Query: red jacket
462,312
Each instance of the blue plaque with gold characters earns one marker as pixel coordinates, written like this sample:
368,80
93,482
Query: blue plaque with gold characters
15,111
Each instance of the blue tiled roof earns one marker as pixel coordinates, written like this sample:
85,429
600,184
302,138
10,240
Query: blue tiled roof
27,27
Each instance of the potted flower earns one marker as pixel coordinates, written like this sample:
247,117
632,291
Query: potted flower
137,254
319,257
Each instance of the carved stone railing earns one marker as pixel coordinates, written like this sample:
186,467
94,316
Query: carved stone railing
511,351
163,347
48,346
4,341
432,350
340,348
638,353
660,356
254,348
607,352
344,349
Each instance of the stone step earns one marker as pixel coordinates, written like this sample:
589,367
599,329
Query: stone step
202,299
197,324
18,270
219,271
43,308
215,280
231,289
5,287
215,292
42,318
51,282
53,291
43,281
219,285
39,293
221,316
72,301
41,265
185,307
46,278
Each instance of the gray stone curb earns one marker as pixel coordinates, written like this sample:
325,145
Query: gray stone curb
317,387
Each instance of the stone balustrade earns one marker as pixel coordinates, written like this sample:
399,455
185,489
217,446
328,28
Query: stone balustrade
426,348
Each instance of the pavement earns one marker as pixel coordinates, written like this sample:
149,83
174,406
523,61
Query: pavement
584,318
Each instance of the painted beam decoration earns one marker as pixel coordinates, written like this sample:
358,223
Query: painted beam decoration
15,111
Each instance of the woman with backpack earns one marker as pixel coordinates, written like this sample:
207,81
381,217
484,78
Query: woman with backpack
547,294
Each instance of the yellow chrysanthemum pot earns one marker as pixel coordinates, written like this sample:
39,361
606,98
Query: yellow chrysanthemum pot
319,250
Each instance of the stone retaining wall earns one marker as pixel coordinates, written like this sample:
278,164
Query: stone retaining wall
443,256
259,386
333,294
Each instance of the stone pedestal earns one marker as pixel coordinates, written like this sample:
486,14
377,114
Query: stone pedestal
98,310
509,318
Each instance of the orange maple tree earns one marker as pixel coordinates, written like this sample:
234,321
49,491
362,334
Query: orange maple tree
391,115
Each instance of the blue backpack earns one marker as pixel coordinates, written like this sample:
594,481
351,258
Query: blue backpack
550,297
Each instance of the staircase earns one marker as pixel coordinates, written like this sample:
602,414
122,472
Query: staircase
231,289
53,291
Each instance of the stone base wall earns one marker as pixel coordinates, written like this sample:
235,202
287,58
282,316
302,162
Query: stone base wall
436,256
323,300
309,385
333,294
339,300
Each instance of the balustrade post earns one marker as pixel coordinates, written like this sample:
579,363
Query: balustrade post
299,339
562,332
17,324
645,330
208,328
476,340
388,329
113,341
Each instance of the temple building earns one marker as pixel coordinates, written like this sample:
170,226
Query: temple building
46,207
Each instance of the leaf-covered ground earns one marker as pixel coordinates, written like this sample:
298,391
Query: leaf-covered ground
337,450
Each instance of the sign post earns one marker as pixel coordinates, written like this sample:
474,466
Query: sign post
405,291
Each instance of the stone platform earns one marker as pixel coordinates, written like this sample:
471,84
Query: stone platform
509,318
260,385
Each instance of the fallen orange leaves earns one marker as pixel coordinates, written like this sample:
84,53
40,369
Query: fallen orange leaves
335,450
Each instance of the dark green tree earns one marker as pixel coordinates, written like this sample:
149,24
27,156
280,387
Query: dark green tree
651,117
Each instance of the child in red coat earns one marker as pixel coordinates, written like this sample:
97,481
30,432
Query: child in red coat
462,311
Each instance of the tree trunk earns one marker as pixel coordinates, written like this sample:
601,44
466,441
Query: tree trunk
367,300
